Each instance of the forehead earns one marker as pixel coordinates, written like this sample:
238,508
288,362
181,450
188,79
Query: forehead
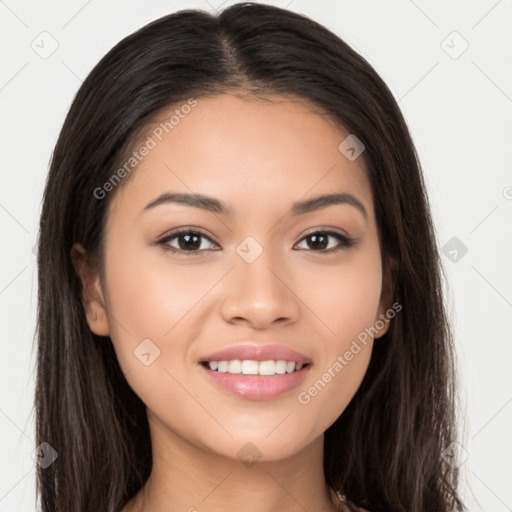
247,152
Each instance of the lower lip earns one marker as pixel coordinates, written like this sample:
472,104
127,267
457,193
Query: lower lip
257,387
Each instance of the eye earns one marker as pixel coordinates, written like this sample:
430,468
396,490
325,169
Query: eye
320,241
189,241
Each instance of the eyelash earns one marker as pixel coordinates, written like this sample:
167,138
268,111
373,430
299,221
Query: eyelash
345,241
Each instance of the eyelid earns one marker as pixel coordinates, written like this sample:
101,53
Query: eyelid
326,229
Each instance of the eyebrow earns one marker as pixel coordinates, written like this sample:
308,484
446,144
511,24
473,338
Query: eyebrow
212,204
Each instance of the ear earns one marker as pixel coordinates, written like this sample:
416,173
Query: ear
92,294
386,297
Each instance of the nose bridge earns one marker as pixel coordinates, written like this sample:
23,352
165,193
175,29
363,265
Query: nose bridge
258,290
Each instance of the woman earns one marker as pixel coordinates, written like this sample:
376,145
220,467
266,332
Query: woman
239,288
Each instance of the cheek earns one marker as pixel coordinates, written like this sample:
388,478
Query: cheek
344,297
339,371
152,299
347,307
149,294
148,304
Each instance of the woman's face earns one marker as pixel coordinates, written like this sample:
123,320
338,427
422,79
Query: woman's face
260,273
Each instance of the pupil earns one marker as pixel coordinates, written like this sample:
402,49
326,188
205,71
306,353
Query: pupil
187,245
321,245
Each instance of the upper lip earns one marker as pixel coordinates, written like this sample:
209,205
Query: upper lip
258,353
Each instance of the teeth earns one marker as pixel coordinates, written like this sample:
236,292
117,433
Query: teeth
235,366
250,367
223,367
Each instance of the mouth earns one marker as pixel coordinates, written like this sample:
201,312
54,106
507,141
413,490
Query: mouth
254,380
255,372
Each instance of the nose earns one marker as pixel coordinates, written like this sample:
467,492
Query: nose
260,294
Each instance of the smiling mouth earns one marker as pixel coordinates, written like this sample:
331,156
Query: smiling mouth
252,368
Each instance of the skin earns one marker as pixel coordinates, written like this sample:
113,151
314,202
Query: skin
258,157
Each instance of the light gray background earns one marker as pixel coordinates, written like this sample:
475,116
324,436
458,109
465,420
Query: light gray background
458,108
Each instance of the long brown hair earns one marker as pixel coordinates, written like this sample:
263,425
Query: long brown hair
384,452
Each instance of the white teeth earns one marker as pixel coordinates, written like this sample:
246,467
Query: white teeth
235,366
223,367
280,367
268,368
250,367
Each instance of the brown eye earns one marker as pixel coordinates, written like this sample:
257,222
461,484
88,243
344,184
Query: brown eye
319,241
189,241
